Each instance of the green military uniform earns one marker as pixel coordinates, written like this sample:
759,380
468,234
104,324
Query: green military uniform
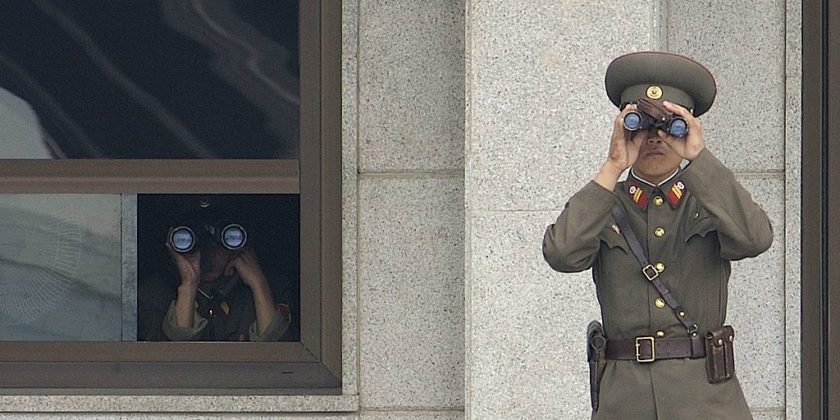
691,226
232,318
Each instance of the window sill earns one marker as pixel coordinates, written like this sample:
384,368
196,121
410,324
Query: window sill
257,402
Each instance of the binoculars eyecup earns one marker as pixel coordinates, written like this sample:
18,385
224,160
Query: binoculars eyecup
632,121
677,127
233,237
182,239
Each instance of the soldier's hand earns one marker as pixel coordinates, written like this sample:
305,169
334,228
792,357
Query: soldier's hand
624,150
624,145
246,264
693,143
188,266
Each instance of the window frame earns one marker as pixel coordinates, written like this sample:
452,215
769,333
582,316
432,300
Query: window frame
310,366
820,160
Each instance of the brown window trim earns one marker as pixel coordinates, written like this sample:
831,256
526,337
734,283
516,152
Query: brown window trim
820,269
311,366
158,176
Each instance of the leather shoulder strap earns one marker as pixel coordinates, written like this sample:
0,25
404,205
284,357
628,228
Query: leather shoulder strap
649,272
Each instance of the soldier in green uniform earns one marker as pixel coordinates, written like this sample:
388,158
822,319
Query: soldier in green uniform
691,218
216,290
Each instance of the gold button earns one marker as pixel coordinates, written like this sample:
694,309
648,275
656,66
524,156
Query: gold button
659,302
658,200
659,232
659,267
660,334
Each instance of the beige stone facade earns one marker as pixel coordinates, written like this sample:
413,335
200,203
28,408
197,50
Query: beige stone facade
466,126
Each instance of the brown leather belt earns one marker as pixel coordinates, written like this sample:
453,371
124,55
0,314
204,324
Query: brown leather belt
650,349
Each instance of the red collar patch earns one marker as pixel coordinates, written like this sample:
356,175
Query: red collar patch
638,194
676,193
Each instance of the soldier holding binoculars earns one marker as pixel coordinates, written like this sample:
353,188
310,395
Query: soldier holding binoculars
223,293
659,245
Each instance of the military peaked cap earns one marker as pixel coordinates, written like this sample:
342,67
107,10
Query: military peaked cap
660,76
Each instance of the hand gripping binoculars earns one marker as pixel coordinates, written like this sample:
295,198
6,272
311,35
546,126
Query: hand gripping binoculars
187,237
652,114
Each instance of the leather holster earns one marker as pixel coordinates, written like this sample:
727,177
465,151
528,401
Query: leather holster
596,354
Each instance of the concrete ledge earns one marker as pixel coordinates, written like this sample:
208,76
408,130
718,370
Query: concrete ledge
178,404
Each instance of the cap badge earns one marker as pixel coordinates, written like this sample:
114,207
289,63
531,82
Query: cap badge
654,92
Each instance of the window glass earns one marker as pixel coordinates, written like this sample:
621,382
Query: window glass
63,258
60,268
153,79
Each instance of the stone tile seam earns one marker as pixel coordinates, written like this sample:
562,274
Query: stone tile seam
778,174
468,209
357,121
775,173
359,64
789,22
767,410
412,174
659,19
352,60
411,410
479,212
360,378
462,173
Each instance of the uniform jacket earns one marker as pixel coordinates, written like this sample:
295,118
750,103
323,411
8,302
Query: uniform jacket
230,318
693,225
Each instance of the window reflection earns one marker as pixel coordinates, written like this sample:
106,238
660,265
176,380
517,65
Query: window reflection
153,79
23,136
60,268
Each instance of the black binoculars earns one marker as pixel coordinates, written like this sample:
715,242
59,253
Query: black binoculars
651,114
187,237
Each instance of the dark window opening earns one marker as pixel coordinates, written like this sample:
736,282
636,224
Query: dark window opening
272,226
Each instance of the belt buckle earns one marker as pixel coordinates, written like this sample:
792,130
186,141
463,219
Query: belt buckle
652,357
650,272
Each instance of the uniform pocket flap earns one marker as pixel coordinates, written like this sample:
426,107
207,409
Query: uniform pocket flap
700,226
611,235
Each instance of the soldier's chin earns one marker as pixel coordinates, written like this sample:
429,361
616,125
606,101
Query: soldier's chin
209,276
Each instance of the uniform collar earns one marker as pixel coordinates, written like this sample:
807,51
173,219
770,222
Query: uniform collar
640,191
664,181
